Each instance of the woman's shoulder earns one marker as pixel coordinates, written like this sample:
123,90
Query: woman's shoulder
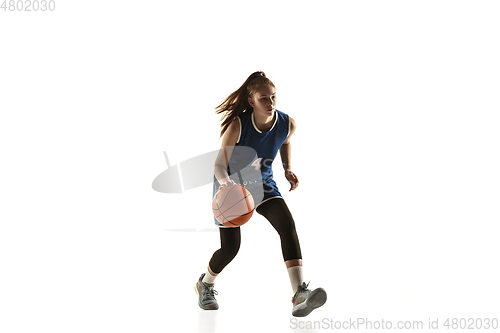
235,124
282,114
289,120
243,119
245,115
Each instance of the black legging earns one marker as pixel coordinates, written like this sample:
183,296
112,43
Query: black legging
277,212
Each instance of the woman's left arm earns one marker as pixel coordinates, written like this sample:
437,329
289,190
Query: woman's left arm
286,156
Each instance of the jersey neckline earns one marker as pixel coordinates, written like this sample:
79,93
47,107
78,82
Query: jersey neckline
274,124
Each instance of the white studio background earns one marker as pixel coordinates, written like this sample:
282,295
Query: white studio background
396,150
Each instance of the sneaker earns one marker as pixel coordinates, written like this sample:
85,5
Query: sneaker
206,292
305,300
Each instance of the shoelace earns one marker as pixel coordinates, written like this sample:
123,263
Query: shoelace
301,288
209,290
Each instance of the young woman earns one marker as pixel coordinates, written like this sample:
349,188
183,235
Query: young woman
250,119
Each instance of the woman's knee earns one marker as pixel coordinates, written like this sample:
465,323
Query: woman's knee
230,241
231,249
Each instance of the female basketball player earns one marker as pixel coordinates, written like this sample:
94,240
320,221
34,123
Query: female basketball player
251,120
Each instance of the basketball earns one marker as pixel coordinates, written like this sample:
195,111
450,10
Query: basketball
233,205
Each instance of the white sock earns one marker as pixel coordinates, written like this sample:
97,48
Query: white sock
296,277
209,278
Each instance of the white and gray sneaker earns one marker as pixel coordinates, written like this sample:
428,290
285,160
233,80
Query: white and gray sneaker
206,292
305,300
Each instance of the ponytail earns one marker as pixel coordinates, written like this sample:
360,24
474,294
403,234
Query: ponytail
237,103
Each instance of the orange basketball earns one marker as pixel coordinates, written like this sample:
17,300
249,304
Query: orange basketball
233,205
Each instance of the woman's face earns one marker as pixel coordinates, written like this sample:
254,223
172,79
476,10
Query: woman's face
263,100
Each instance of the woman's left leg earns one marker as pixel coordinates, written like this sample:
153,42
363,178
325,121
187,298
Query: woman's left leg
277,213
304,300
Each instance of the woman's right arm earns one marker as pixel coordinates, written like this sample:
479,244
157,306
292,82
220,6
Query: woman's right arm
221,162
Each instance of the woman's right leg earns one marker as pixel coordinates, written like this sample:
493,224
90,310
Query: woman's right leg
230,239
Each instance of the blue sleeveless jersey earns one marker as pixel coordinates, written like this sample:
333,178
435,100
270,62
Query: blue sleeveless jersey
251,160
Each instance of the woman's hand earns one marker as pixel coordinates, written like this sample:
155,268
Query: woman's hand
292,179
228,183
